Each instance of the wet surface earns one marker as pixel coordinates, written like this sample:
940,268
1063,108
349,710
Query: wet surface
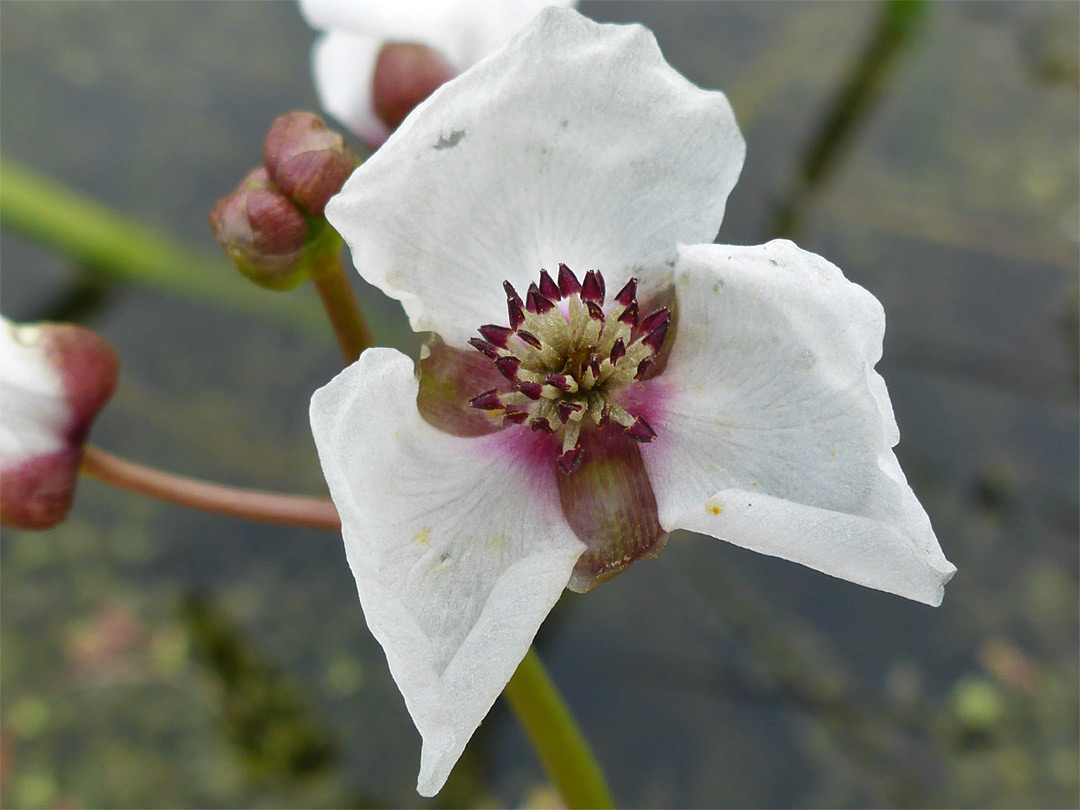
157,657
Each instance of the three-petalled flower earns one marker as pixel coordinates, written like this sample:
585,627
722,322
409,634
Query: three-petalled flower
555,206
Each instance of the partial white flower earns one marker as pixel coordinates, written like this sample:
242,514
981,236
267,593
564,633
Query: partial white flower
54,378
667,383
459,33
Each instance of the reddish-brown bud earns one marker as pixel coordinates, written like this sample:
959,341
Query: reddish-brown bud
55,379
262,232
306,160
406,74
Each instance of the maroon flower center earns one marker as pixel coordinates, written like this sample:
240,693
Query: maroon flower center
565,356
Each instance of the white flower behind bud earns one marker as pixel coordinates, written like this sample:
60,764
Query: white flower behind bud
54,378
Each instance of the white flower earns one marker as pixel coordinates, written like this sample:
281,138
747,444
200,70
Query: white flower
745,406
344,60
54,378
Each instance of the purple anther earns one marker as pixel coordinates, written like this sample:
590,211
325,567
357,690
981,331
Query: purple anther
499,335
540,423
548,288
560,381
655,319
592,289
530,389
515,416
511,294
568,282
627,294
565,409
530,338
641,431
487,401
508,366
484,347
570,461
537,303
595,312
655,339
617,351
515,312
530,298
629,315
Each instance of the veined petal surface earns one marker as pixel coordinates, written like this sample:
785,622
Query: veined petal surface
458,546
776,433
574,143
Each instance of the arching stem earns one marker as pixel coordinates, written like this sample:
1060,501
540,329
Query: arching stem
250,504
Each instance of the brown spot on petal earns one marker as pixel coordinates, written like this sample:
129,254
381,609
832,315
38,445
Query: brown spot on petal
610,505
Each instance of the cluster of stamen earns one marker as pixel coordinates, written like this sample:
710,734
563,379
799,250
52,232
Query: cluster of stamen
564,357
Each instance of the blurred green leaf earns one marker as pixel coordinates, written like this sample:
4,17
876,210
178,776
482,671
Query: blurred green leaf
114,244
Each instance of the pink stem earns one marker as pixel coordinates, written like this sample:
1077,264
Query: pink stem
251,504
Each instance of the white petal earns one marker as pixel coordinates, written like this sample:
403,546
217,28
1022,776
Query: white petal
575,143
34,412
344,65
776,432
464,31
458,546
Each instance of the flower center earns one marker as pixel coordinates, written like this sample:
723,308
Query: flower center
565,355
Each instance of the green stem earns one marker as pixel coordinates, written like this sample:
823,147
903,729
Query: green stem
111,242
328,275
562,748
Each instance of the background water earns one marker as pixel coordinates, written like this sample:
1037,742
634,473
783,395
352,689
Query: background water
155,657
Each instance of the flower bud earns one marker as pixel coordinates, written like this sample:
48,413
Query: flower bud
55,378
308,162
406,74
262,232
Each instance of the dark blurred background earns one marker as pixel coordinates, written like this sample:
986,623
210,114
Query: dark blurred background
156,657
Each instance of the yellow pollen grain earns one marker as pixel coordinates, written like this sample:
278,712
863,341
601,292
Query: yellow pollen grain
423,537
714,507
